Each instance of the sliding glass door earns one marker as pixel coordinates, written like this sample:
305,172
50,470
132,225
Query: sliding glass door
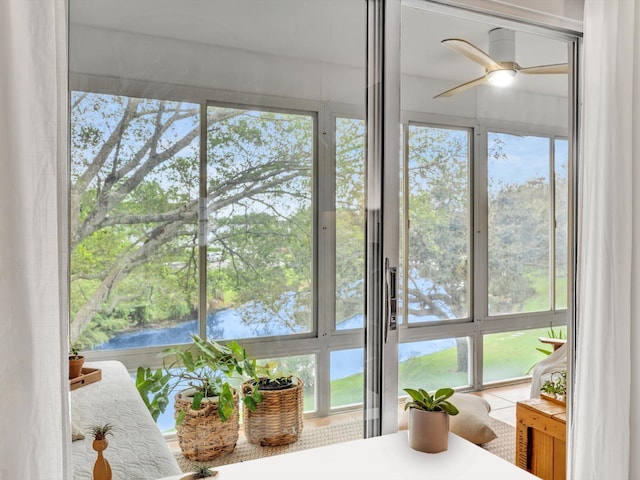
484,196
316,180
219,185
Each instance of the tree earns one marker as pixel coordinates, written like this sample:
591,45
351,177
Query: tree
518,243
438,248
135,194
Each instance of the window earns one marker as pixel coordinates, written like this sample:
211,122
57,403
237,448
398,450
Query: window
134,196
438,194
349,205
522,223
432,364
260,223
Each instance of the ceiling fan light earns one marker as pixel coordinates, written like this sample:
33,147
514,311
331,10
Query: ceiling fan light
501,78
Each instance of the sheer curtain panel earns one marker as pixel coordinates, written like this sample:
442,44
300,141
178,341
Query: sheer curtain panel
605,435
34,422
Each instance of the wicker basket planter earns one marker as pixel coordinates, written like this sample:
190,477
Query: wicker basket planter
278,418
202,435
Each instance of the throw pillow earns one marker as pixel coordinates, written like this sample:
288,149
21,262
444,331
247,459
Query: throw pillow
472,423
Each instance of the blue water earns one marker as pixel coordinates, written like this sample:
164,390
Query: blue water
222,325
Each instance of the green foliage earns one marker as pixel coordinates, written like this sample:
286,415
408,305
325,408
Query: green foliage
154,389
204,471
268,375
74,351
100,431
423,400
212,369
134,214
556,386
271,373
551,333
438,221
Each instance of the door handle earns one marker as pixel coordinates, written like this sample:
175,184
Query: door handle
391,298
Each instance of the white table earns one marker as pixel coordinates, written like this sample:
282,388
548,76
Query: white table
379,458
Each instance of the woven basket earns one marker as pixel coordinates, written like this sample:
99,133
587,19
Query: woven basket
278,417
202,435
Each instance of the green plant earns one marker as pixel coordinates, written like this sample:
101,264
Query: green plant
210,368
551,333
74,351
423,400
100,432
267,376
272,375
203,471
556,387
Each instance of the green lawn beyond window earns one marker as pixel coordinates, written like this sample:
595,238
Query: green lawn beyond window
506,355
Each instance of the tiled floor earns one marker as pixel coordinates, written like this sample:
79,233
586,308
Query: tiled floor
503,401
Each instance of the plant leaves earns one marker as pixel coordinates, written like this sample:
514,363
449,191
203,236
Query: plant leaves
180,417
197,400
449,408
226,404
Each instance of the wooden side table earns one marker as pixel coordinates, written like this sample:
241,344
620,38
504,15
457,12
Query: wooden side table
541,438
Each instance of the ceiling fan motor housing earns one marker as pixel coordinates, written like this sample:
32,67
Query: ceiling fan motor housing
502,45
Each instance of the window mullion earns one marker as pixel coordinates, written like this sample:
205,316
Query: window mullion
480,256
553,224
202,225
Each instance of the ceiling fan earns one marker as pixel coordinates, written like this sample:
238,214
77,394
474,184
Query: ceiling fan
499,65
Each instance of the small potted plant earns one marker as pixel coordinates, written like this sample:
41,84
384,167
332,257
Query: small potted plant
555,389
202,471
429,419
206,374
101,469
276,416
76,361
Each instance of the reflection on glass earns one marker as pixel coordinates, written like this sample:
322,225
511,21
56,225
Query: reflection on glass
518,189
134,190
347,377
350,161
260,223
437,286
433,364
509,355
561,201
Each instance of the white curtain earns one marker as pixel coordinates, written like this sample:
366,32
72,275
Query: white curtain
606,425
34,425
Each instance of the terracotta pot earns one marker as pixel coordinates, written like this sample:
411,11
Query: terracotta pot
428,431
75,366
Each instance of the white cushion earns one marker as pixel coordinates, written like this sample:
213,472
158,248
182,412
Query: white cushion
472,423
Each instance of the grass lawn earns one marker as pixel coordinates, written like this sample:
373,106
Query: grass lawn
506,355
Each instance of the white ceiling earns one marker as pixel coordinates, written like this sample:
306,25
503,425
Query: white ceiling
329,31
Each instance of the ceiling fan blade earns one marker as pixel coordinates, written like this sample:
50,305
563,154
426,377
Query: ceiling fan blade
550,69
462,87
471,51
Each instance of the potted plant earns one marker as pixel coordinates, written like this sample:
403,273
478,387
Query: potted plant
206,406
277,418
76,361
101,469
429,419
555,389
202,471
